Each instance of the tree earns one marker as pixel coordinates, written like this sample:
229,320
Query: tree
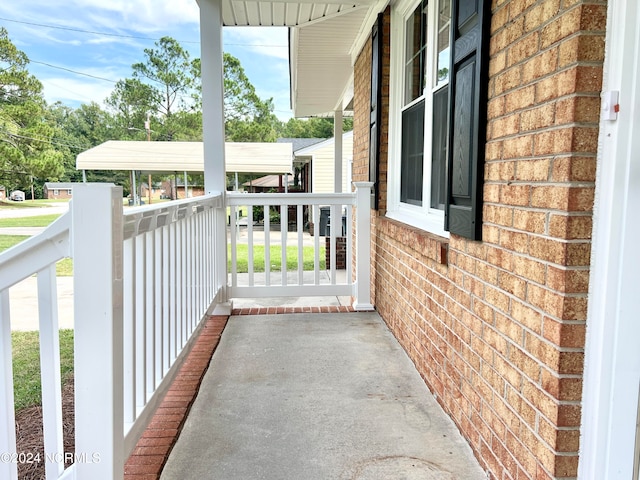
131,101
169,69
26,149
316,127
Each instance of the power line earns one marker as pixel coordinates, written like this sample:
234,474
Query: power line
72,71
79,30
136,37
76,147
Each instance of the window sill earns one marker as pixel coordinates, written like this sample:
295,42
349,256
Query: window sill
413,238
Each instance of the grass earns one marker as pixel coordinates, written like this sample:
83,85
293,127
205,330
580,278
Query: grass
64,268
30,203
275,257
26,365
35,221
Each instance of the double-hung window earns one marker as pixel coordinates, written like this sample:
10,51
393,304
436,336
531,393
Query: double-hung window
437,114
419,112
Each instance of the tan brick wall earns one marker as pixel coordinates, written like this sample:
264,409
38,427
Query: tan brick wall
496,328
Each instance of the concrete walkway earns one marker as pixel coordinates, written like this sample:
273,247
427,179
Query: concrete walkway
316,397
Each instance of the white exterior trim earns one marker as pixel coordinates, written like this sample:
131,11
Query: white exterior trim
422,217
612,356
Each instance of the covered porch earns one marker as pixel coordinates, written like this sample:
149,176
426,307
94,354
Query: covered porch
148,281
338,394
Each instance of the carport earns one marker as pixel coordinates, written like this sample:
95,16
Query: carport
172,157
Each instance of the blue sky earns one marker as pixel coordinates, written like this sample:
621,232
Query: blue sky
262,51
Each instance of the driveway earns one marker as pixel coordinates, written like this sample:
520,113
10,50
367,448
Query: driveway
23,296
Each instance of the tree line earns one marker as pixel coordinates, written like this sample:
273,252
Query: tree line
39,141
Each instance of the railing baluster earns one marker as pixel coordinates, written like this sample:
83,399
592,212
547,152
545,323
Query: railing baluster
157,303
8,470
349,244
284,220
149,317
250,244
300,245
234,229
129,328
267,245
50,368
141,361
164,295
336,223
173,295
316,245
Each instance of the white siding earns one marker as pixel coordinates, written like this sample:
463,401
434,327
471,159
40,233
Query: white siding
322,165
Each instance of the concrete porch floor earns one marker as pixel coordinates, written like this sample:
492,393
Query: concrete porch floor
316,396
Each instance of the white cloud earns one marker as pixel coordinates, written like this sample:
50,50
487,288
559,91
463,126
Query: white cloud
75,91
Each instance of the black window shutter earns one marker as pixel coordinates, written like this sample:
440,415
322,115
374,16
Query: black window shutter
375,111
467,116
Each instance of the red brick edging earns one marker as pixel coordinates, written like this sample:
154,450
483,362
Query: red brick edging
152,450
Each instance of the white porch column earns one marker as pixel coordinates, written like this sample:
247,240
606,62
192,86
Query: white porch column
212,94
97,226
337,135
212,69
362,300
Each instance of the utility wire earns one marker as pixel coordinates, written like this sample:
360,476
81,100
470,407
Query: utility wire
79,30
76,147
72,71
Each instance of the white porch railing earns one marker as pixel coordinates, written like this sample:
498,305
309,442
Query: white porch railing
267,279
142,282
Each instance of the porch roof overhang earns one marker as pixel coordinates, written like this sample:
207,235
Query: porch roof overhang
185,157
324,38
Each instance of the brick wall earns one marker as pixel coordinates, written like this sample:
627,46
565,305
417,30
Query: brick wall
496,328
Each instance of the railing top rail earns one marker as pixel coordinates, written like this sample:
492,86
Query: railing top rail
35,253
235,198
145,219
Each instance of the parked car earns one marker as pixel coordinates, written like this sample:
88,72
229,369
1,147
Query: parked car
17,196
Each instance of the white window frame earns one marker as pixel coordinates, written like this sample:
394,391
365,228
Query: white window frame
423,217
68,191
56,192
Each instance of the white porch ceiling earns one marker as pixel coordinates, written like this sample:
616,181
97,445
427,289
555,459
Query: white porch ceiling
321,65
321,40
287,13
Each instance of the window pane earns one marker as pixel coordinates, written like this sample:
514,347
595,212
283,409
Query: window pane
444,23
439,147
415,45
412,155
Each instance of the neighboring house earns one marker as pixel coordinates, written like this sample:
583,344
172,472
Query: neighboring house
302,164
56,190
320,157
485,154
268,183
3,192
177,185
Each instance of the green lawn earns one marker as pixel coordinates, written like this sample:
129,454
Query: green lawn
26,365
275,257
64,268
35,221
30,203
